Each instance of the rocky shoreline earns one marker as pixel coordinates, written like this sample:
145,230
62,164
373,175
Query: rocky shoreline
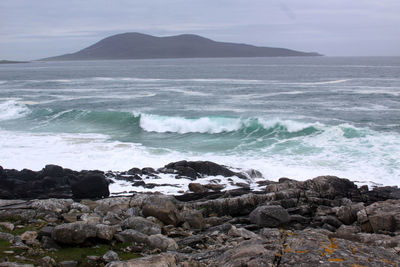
60,217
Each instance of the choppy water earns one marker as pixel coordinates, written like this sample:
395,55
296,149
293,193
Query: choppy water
293,117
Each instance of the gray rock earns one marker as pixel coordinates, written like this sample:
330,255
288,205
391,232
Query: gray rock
131,235
110,256
161,242
160,260
269,216
52,204
163,209
48,243
7,225
73,233
382,216
348,214
14,264
115,205
241,232
105,232
47,262
80,207
7,236
141,225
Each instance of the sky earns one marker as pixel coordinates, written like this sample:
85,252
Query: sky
33,29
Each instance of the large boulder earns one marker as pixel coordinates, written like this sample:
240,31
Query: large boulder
332,187
141,225
269,216
161,242
92,185
73,233
380,217
162,208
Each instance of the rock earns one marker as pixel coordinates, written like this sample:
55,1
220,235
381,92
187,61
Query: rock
141,225
53,171
47,262
49,243
241,232
204,168
130,235
269,216
110,256
215,187
116,205
73,233
52,204
68,264
161,208
29,235
160,260
91,218
382,216
80,207
197,188
92,185
331,187
105,232
161,242
7,225
14,264
194,218
348,214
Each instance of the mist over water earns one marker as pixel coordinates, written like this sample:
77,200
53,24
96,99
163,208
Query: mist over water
293,117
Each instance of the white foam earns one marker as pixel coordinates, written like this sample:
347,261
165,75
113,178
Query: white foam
12,109
163,124
291,125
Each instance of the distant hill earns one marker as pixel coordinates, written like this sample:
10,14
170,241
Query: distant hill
11,62
143,46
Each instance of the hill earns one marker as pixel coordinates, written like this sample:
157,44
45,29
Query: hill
143,46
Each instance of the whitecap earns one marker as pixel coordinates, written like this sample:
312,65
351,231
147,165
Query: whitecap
12,110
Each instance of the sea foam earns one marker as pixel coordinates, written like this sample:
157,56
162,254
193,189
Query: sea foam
12,110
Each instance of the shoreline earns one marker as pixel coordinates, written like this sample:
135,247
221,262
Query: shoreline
325,220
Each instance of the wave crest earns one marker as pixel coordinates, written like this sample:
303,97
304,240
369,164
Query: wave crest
12,109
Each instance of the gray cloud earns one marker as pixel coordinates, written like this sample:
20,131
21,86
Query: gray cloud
34,29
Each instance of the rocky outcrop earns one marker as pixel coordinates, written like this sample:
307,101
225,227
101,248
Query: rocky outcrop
52,182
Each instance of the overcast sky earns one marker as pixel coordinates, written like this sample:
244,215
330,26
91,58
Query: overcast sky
32,29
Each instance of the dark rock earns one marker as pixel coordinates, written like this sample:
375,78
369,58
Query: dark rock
148,171
269,216
331,187
194,218
130,235
332,220
380,217
135,171
92,185
215,187
197,188
161,242
110,256
53,171
348,214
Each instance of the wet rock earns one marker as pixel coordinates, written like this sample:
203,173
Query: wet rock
52,171
73,233
161,242
269,216
141,225
197,188
110,256
160,260
92,185
161,208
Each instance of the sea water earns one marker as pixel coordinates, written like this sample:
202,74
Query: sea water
286,117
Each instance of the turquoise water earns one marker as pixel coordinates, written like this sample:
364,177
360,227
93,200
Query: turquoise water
293,117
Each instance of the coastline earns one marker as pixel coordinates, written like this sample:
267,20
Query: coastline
325,220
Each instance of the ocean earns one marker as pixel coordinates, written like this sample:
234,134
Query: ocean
297,117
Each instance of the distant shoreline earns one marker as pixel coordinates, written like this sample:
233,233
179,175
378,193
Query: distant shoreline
12,62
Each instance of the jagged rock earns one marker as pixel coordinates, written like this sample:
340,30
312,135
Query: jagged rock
80,207
115,204
382,216
160,260
269,216
161,208
331,187
92,185
203,168
52,171
73,233
130,235
161,242
241,232
141,225
105,232
110,256
93,218
348,214
194,218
